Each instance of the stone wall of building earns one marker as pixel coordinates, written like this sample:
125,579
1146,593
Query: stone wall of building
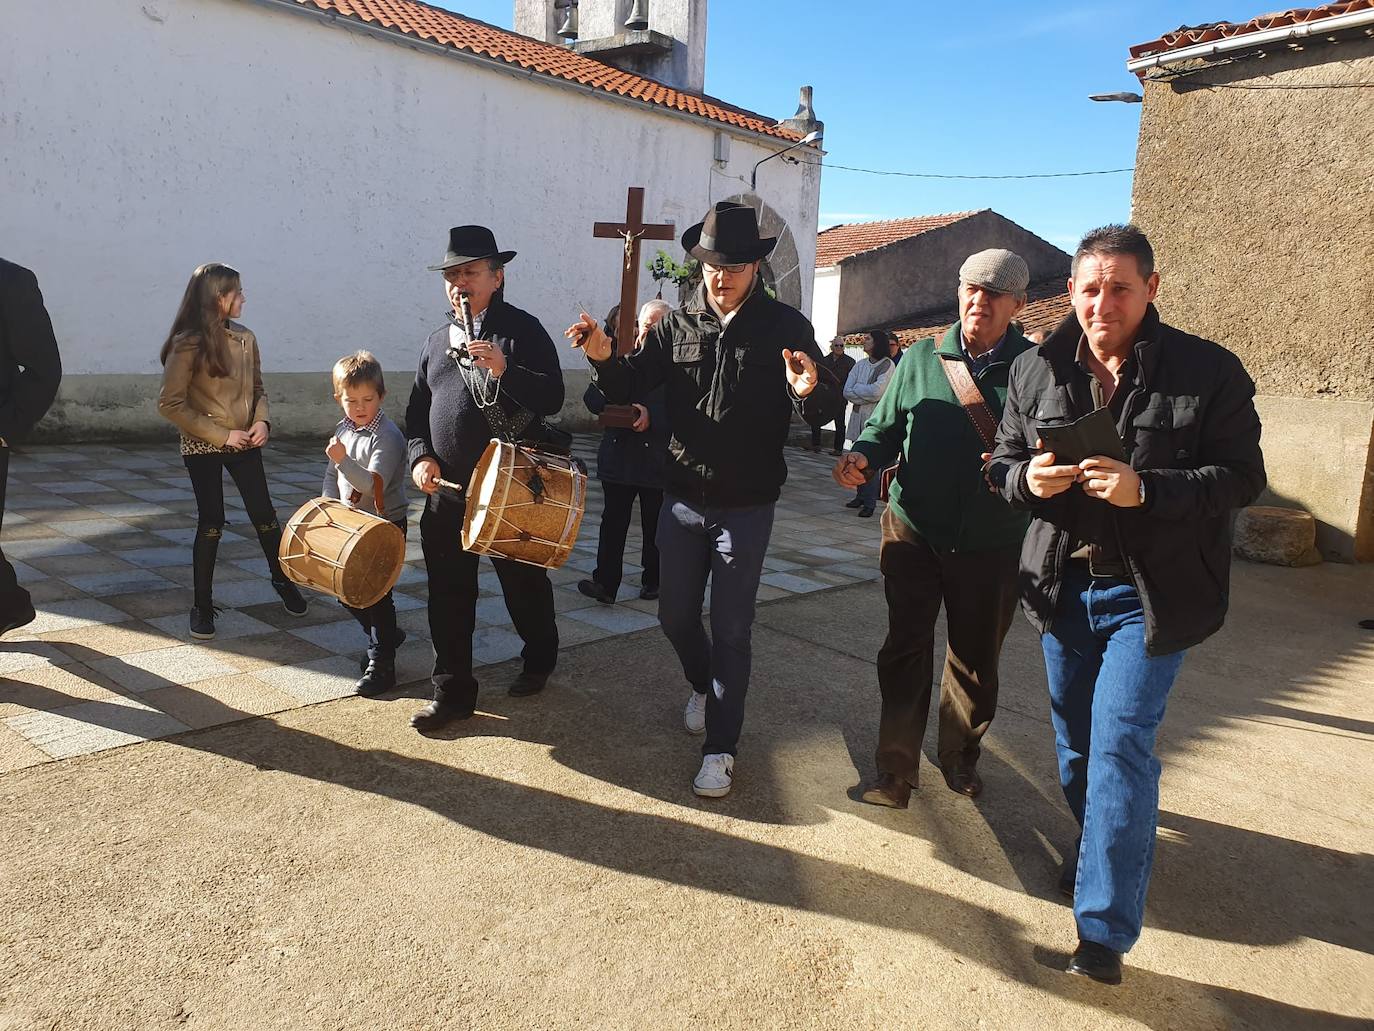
1260,205
922,272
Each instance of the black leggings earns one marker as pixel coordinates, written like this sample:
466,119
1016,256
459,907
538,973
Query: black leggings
207,481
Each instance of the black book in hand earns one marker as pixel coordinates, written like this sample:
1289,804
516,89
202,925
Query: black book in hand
1094,434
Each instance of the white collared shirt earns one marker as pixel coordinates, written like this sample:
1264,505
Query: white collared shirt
457,335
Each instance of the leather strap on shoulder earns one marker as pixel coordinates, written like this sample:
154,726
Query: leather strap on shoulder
970,398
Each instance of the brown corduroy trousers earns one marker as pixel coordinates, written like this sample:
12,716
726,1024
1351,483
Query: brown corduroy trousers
979,593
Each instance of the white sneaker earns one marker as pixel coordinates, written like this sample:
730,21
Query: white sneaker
694,716
717,771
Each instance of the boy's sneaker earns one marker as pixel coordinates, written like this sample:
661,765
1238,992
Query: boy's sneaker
694,716
378,678
290,597
203,622
717,770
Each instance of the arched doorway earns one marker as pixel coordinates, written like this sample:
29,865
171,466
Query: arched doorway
781,271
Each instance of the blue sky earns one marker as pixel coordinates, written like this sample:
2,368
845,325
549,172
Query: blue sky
955,88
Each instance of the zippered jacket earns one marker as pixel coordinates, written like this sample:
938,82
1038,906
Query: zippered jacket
939,490
1190,430
207,407
729,403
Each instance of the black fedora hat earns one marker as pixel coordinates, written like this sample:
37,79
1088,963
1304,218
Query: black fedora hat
729,235
470,243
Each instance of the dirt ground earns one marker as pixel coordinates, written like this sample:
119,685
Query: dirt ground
546,865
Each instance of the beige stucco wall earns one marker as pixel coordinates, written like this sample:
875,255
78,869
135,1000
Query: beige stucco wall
1260,206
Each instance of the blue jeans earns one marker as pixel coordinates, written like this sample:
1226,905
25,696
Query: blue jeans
728,545
1107,699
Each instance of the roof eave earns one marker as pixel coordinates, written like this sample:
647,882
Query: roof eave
334,18
1230,44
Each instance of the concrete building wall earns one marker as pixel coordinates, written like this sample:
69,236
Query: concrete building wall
1260,207
922,271
139,138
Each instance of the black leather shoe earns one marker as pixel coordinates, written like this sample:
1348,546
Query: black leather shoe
962,778
1096,961
648,593
889,790
290,597
527,684
22,618
378,678
595,591
866,512
854,503
437,715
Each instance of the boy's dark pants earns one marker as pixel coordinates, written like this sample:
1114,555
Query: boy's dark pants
379,621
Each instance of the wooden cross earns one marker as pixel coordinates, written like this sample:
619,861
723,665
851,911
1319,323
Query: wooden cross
631,231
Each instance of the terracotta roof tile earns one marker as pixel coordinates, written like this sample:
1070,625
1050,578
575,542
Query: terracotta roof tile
419,20
844,241
1190,35
1047,305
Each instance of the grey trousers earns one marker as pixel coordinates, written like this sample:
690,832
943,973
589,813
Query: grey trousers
727,545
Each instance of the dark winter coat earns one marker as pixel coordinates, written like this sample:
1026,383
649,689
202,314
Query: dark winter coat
634,459
30,368
1191,432
729,403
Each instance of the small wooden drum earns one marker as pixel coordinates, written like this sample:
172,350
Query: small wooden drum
354,556
524,504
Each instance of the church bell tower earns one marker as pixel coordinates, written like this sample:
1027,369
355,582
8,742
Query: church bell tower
659,39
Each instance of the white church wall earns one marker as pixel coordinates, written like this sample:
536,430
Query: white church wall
147,136
825,302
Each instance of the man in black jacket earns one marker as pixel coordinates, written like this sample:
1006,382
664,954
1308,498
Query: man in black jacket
515,364
1126,564
30,370
734,362
840,365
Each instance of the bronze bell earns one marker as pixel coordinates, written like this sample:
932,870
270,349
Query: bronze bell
639,15
568,30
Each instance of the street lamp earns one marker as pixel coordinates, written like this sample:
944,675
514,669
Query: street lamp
811,137
1122,98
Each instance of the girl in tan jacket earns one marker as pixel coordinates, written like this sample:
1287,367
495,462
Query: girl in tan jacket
212,391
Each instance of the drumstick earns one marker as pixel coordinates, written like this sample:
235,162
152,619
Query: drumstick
451,486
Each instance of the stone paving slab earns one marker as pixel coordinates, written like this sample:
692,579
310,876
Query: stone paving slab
107,559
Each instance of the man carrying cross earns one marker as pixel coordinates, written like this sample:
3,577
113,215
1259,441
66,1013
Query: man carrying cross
733,362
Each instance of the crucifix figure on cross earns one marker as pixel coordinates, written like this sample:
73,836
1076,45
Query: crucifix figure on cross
631,231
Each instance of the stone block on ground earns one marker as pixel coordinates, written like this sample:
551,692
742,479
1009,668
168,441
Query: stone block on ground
1278,536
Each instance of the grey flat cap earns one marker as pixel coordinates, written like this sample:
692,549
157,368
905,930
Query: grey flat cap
996,269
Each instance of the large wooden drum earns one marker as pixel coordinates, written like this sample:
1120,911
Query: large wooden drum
354,556
524,504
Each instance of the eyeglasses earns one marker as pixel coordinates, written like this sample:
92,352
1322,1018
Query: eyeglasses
732,269
454,275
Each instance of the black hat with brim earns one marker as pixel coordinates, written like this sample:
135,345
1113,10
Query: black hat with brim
729,235
471,243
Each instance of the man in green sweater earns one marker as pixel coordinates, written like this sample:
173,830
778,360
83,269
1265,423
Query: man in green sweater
947,538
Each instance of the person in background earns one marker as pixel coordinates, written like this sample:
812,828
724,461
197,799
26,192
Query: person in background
839,365
863,389
630,465
30,371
